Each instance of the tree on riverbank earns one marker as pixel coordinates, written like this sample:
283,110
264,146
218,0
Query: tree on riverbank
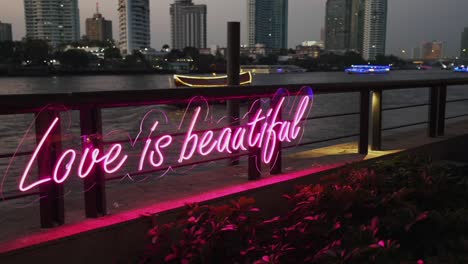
31,51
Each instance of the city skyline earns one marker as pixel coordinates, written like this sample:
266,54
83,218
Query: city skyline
344,25
268,23
134,25
98,27
409,23
375,29
188,24
57,22
464,43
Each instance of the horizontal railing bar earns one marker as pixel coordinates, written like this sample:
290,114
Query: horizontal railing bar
27,103
18,196
457,100
406,125
331,116
137,174
156,137
221,128
404,107
457,116
10,155
320,141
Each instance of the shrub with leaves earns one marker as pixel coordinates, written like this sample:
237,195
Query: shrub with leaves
406,210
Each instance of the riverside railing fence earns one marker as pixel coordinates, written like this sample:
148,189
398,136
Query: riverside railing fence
48,107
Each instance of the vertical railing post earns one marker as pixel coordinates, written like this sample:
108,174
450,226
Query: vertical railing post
363,144
94,183
434,98
254,160
233,71
276,165
376,143
442,110
51,203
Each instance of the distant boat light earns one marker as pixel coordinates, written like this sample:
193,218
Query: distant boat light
368,69
461,69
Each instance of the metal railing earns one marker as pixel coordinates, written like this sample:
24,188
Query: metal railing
90,104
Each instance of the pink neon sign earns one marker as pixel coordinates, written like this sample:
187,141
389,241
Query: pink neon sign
263,130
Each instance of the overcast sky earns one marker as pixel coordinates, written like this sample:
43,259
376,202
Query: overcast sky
409,22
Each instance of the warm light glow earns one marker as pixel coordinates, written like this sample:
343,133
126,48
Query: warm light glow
178,78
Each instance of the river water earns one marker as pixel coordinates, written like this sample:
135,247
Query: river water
17,131
67,84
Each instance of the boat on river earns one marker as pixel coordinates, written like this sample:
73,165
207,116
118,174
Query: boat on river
209,81
461,68
367,69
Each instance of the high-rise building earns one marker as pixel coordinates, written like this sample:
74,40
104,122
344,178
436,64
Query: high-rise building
464,44
98,28
356,24
134,25
375,28
268,23
56,21
344,25
5,32
432,50
416,53
188,24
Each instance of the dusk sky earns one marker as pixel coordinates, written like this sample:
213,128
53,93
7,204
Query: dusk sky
409,22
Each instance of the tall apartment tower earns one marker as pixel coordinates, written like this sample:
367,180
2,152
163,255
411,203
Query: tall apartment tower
344,25
464,44
56,21
188,24
268,23
134,25
5,32
98,28
375,28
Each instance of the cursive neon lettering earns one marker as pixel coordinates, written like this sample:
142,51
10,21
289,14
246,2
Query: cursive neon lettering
264,130
33,158
206,142
190,138
68,166
157,150
83,160
112,155
223,141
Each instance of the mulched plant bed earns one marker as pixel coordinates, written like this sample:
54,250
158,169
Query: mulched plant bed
405,210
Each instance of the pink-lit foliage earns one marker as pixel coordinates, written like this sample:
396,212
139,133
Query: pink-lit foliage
393,212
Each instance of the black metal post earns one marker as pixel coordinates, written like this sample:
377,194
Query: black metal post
94,183
233,71
255,161
433,111
364,123
276,166
442,110
51,203
376,143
